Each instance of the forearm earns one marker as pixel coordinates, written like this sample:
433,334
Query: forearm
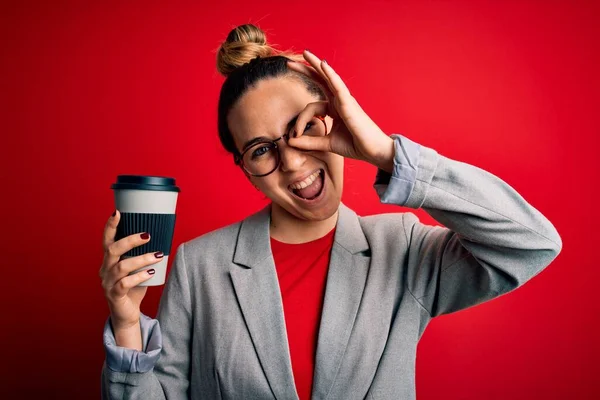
465,198
136,366
485,209
492,240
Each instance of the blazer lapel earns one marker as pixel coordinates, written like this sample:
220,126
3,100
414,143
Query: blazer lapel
257,289
348,268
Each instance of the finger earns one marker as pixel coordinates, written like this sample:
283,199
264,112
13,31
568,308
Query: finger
128,265
122,287
311,143
307,115
122,246
313,74
337,85
110,229
316,63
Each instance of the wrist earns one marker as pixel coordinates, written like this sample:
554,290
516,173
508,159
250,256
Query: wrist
384,159
117,324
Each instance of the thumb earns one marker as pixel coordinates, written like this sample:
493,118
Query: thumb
314,143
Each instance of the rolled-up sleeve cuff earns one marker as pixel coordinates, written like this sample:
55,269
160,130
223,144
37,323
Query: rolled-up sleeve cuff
396,188
121,359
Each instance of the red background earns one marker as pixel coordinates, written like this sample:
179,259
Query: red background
92,90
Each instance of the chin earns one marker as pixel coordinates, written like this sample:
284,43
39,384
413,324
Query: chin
321,214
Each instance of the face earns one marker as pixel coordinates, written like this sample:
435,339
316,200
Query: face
266,110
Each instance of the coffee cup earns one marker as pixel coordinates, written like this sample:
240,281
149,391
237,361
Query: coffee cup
147,204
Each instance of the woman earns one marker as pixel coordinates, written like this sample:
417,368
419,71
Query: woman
305,287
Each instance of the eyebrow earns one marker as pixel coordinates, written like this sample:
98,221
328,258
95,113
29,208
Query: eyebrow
261,138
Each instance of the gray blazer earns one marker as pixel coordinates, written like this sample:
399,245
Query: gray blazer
220,330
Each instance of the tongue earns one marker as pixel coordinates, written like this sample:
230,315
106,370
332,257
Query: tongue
311,190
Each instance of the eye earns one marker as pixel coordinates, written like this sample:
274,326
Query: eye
260,151
308,127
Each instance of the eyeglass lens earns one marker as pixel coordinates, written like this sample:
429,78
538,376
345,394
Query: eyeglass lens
263,157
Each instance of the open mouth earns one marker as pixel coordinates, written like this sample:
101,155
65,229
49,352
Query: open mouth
313,190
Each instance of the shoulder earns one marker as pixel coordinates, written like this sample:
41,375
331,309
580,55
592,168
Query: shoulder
386,221
222,235
388,229
212,245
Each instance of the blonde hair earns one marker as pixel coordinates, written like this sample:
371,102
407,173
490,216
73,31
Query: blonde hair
244,43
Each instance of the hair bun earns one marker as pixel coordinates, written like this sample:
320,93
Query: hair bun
243,43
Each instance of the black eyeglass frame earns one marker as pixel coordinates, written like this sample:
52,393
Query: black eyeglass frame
239,158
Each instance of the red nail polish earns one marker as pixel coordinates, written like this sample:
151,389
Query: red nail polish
114,213
151,271
159,254
145,235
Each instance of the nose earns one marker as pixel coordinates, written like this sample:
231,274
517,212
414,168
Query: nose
291,158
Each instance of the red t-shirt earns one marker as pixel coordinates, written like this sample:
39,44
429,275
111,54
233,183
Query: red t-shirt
302,273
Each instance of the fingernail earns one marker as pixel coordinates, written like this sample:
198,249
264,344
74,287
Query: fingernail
151,271
159,254
325,62
308,51
114,213
145,235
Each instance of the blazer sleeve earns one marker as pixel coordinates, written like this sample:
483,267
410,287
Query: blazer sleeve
162,370
492,240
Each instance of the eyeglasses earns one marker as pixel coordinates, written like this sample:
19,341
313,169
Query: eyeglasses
263,157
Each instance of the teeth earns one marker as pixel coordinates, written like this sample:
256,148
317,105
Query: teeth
306,182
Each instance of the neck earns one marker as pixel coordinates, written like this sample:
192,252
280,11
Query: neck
288,228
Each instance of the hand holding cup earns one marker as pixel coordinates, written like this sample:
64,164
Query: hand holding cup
121,289
145,207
